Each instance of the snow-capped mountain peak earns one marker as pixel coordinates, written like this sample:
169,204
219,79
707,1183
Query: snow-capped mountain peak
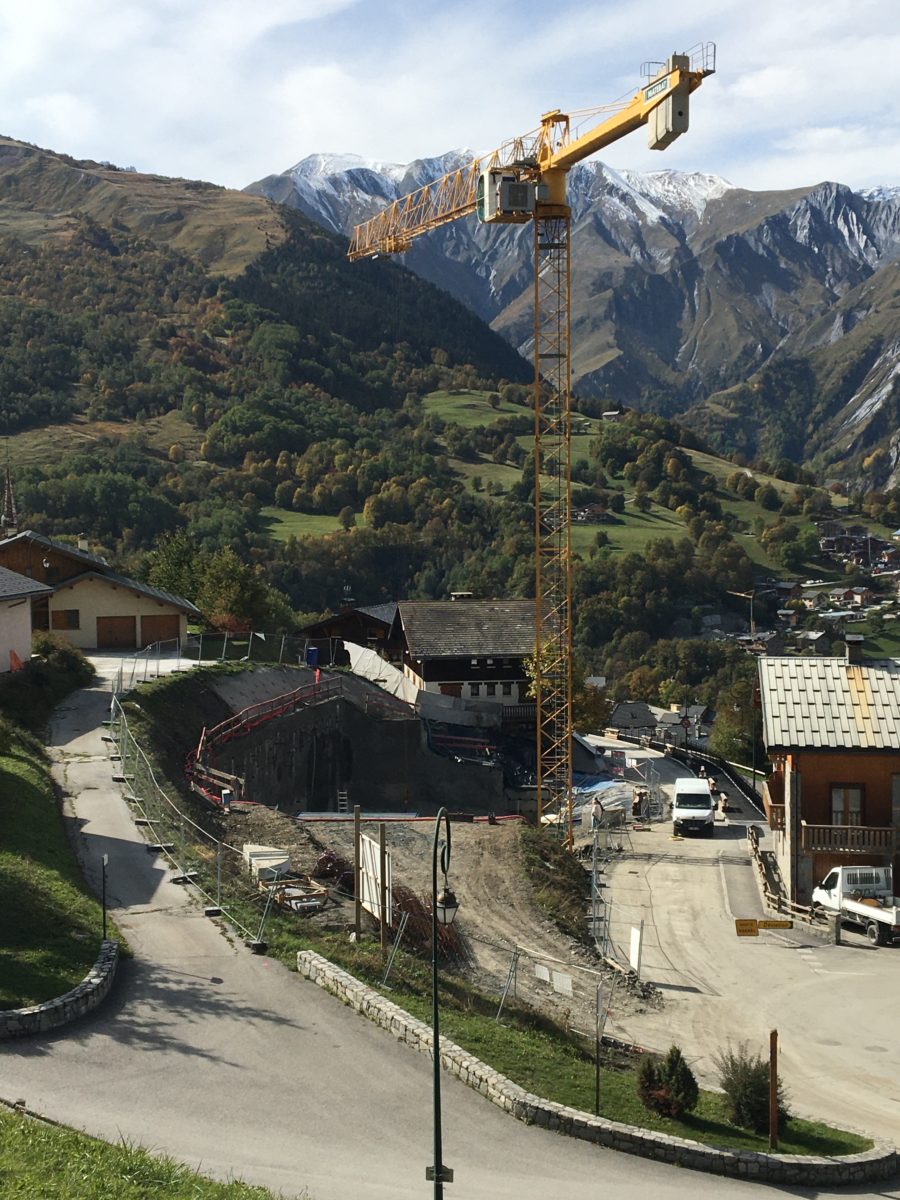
677,189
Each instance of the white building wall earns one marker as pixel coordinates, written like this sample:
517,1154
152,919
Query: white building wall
93,598
15,630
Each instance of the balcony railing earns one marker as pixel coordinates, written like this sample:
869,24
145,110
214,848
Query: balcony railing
773,800
848,839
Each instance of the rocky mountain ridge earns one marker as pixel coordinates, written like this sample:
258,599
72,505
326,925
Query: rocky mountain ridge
683,286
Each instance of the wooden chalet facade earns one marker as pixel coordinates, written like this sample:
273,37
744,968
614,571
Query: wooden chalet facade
369,627
832,730
473,649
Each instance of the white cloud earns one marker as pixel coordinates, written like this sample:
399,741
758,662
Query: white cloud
231,91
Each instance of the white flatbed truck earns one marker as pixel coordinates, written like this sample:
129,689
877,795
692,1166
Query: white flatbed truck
861,896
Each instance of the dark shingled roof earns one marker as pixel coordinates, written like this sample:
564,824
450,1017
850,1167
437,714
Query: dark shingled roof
381,612
13,585
468,628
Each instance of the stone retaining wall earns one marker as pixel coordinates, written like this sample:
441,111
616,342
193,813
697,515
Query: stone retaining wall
880,1163
39,1018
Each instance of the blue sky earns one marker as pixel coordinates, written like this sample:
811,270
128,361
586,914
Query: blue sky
231,90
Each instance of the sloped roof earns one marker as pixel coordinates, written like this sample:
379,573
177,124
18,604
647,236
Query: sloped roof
381,612
13,585
135,585
467,628
828,703
84,556
633,714
99,568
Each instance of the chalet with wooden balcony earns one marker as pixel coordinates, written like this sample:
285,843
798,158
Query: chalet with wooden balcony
831,726
473,649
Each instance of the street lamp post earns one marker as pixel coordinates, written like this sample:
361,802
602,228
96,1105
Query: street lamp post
444,907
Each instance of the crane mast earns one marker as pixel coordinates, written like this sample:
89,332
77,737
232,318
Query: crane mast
525,180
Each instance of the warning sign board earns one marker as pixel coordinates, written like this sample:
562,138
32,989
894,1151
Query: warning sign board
775,924
746,928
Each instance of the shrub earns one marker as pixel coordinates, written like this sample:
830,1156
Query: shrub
744,1078
667,1085
62,656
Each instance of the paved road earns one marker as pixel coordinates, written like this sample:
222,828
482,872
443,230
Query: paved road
231,1063
832,1005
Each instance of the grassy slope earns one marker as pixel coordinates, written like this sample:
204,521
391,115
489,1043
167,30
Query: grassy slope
50,926
39,447
53,1163
284,524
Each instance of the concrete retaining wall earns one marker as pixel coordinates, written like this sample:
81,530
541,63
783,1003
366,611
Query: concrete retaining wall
880,1163
39,1018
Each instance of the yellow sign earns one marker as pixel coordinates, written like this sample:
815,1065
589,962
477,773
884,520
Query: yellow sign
747,928
775,924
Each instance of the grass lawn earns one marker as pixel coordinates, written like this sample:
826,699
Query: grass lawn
49,444
283,524
53,1163
881,645
50,926
469,408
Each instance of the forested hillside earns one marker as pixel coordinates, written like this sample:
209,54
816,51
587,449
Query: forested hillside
200,383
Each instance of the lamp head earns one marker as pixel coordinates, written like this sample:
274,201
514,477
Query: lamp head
446,906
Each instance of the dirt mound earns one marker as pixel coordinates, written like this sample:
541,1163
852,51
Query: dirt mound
498,917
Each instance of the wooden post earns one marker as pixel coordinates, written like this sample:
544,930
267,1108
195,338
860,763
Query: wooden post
357,890
773,1090
382,897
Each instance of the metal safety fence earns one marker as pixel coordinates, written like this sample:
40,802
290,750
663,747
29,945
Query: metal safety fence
196,855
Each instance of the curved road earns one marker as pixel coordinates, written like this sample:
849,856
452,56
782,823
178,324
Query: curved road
229,1062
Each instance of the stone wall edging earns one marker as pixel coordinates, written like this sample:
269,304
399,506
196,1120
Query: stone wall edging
880,1163
40,1018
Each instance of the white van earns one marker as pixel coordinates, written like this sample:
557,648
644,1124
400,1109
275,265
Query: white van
693,807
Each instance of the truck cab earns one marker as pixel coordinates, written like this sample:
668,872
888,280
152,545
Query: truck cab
693,807
861,896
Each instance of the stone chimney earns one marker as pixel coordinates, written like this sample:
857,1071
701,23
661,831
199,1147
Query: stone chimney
854,644
83,543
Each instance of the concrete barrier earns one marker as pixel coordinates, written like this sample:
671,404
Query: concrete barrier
882,1162
40,1018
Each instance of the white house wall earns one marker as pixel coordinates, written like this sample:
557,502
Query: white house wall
15,630
94,598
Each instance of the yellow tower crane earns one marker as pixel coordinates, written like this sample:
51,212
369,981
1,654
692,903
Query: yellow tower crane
525,180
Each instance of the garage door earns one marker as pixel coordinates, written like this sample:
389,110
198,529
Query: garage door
162,628
116,633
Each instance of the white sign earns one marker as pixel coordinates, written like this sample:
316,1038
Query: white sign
541,972
370,878
562,983
634,952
